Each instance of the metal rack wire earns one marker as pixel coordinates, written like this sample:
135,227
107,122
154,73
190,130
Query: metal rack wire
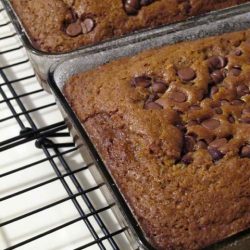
54,142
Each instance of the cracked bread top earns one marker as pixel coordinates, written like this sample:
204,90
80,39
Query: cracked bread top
65,25
173,127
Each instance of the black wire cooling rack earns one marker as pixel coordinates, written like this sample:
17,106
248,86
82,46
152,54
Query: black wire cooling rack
46,139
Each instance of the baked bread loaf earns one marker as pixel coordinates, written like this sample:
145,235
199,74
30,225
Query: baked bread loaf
173,127
65,25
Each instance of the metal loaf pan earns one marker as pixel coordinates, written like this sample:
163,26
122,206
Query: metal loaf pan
42,61
60,73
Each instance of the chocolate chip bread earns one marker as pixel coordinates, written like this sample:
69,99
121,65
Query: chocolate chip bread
173,127
65,25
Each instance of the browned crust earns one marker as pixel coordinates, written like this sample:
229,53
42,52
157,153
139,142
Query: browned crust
178,207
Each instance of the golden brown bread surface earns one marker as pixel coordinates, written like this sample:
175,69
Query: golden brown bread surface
173,126
49,22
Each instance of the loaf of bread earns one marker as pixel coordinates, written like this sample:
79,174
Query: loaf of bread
173,127
66,25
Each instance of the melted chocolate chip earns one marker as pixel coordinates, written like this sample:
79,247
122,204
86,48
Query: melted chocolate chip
201,145
217,62
163,102
211,124
74,29
78,27
141,81
146,2
246,110
132,6
236,70
214,90
178,96
218,143
87,25
231,119
245,120
242,90
217,76
238,52
245,151
159,87
189,143
186,74
215,154
130,10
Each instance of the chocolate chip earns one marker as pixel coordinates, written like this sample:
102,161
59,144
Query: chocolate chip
214,90
200,95
238,52
237,102
242,90
245,151
217,62
231,119
163,102
159,87
245,120
132,7
141,81
211,124
201,145
87,25
218,111
146,2
218,143
74,29
187,159
152,105
215,154
130,10
134,3
246,110
217,76
236,70
186,74
189,143
178,96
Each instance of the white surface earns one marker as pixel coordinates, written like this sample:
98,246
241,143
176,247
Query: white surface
72,236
